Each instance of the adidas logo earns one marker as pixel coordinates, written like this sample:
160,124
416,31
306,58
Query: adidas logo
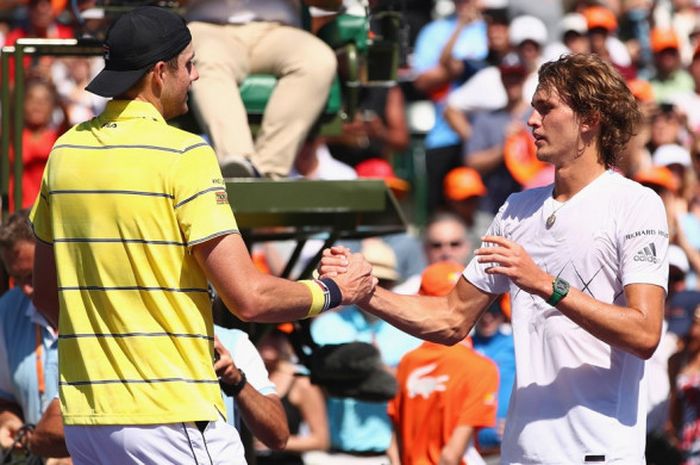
647,254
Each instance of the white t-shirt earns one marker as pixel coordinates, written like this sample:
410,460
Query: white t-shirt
247,358
484,91
574,395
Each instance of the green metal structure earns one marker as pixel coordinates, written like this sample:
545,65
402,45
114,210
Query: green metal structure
361,61
13,106
300,209
266,210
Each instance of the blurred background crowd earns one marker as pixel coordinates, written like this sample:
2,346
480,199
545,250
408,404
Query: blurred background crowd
449,137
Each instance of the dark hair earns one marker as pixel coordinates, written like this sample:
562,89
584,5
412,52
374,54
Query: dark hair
497,16
595,91
16,228
446,216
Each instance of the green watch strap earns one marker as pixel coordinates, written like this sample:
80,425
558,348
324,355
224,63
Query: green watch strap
560,289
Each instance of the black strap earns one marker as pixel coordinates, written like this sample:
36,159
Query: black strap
334,290
232,390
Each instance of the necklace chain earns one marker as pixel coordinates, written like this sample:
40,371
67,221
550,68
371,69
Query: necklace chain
551,219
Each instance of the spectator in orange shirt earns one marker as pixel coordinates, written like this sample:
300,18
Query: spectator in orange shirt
445,392
41,24
41,102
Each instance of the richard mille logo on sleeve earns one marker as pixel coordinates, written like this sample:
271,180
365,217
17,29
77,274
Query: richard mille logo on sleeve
647,254
646,232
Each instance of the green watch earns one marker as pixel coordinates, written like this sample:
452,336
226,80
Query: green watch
560,288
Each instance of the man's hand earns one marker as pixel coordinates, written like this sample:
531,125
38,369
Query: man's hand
510,259
10,425
350,271
467,12
224,367
334,262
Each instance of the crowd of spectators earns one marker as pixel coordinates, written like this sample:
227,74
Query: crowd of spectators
476,62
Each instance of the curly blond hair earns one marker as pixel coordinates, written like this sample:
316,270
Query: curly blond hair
596,92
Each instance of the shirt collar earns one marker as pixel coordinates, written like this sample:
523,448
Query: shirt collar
37,318
131,109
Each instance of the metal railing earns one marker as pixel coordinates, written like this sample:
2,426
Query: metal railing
13,103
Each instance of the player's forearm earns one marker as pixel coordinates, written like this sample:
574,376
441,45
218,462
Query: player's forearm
255,296
431,318
635,328
271,300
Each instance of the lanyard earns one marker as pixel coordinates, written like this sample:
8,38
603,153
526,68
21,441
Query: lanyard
39,353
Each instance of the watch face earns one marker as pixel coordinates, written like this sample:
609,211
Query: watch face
561,286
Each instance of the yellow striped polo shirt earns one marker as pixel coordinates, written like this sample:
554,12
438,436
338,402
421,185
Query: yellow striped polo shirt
123,199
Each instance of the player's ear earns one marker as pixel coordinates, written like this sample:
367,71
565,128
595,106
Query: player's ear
590,122
159,71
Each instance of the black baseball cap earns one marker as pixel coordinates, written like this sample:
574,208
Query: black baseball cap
135,41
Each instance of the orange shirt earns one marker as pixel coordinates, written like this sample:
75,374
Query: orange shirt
35,152
441,388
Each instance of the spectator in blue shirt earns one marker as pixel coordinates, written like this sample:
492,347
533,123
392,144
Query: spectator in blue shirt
493,339
28,343
435,78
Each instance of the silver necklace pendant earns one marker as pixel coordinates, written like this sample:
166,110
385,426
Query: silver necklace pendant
550,220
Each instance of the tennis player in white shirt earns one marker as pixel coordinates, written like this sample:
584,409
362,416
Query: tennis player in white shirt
585,263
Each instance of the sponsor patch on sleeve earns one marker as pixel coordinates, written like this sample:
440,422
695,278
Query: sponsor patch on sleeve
221,197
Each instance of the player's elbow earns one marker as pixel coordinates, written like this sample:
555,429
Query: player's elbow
455,331
455,335
245,310
244,307
647,345
249,306
643,343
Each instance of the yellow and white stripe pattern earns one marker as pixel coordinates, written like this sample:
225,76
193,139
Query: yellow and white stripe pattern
123,199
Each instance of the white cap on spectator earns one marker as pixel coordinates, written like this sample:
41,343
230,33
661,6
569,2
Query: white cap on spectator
92,13
494,4
678,258
527,27
575,22
671,154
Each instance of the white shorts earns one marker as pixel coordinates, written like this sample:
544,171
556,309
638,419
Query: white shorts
171,444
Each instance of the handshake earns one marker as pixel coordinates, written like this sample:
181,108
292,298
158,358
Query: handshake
351,272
